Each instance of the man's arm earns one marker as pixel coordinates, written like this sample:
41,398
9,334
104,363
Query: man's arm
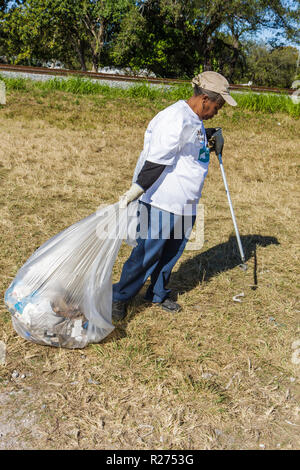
165,139
149,174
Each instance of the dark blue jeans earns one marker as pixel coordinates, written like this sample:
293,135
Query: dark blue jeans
162,241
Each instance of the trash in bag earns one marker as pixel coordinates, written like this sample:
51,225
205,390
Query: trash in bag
62,295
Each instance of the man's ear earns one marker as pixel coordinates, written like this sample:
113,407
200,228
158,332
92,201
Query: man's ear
205,99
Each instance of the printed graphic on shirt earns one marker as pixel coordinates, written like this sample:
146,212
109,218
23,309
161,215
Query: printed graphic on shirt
204,154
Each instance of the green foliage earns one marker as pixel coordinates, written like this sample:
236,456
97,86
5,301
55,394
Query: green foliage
76,85
176,38
16,83
172,38
266,103
3,8
272,67
62,29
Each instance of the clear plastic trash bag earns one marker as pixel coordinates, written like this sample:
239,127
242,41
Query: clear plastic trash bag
62,296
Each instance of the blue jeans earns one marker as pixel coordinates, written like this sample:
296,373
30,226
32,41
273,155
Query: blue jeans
155,255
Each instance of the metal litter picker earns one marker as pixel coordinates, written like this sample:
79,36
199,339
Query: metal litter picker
216,142
243,265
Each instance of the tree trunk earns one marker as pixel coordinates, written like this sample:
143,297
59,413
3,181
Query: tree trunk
95,61
97,45
207,56
80,51
82,56
236,51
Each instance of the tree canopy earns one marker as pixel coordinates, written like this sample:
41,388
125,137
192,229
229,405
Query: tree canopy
172,38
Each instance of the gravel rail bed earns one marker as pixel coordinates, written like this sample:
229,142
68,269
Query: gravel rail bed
44,78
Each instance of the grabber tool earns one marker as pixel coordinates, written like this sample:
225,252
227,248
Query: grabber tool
243,265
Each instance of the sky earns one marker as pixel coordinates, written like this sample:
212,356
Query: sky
268,34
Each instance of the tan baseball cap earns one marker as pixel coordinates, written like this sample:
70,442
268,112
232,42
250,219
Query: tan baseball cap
213,81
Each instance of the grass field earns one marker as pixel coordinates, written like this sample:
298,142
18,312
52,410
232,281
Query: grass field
218,375
266,102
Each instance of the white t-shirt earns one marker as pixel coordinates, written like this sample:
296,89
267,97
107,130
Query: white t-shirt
176,138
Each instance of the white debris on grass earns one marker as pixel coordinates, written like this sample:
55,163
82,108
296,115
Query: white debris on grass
236,298
15,374
206,375
93,382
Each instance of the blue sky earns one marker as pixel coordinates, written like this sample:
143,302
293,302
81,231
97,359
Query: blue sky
268,34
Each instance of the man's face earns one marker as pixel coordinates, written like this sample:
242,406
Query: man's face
209,108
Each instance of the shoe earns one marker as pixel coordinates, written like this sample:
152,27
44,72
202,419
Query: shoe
170,306
119,310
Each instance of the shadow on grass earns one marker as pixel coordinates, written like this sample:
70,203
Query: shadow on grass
201,268
220,258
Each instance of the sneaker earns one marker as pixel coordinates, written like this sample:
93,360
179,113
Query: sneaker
119,310
170,306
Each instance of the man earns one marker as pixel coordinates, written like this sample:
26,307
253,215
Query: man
175,162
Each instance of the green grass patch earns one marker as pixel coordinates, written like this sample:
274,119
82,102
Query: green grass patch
19,84
265,103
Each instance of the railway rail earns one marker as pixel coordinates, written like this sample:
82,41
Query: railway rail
127,78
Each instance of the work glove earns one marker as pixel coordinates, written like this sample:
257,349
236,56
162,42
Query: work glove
216,141
209,132
133,193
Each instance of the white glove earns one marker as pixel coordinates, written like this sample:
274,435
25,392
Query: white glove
133,193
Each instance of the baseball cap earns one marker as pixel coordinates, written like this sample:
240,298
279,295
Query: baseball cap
213,81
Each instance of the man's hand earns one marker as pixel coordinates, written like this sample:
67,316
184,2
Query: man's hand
209,131
216,141
133,193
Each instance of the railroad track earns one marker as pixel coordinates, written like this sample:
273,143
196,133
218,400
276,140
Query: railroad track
126,78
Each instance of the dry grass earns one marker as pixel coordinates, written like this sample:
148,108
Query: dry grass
219,375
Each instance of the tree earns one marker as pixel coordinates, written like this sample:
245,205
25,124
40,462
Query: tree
48,28
172,38
101,19
3,8
30,29
179,37
156,35
247,18
271,67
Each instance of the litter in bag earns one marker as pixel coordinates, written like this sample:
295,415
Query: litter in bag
62,295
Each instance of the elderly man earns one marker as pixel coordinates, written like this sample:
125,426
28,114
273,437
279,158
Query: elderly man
175,163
